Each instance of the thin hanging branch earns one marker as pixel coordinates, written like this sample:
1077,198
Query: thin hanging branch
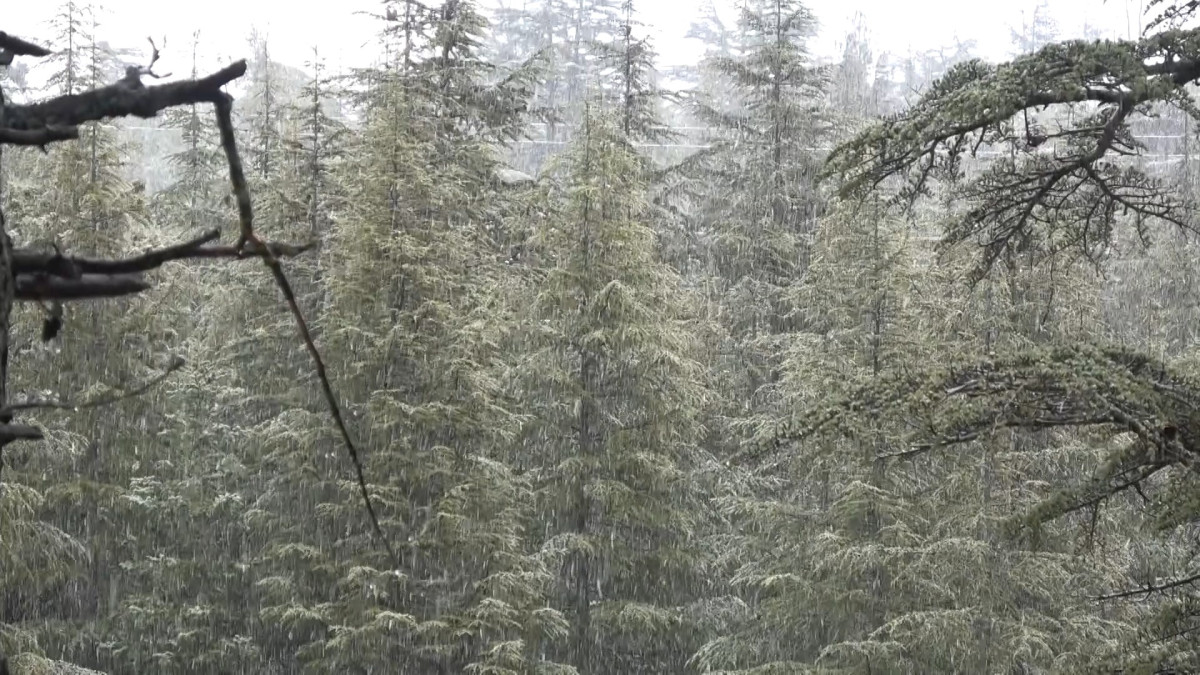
57,277
247,237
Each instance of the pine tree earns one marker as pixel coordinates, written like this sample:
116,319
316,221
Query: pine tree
613,390
415,323
1037,30
760,201
193,197
1061,401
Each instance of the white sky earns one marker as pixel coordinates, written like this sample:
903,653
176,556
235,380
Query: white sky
345,37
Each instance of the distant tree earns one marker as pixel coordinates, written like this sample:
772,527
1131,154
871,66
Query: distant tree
756,193
613,392
1038,29
852,87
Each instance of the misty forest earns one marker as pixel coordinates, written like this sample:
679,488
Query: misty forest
518,353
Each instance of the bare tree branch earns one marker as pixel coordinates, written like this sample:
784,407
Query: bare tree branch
37,137
106,399
28,262
86,287
61,278
19,432
127,97
15,45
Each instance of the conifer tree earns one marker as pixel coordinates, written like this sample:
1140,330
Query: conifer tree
414,320
851,559
614,393
191,200
1066,203
760,200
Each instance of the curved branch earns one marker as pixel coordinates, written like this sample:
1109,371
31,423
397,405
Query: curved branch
107,399
30,262
977,104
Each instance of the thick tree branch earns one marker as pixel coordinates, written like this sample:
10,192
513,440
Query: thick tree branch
1068,186
60,278
37,137
15,45
127,97
1108,389
86,287
19,432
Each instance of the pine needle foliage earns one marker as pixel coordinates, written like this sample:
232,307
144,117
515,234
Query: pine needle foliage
612,389
411,310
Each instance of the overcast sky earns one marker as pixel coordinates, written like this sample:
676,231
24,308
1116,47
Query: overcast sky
344,34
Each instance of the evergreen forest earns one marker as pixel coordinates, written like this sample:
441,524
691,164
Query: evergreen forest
518,353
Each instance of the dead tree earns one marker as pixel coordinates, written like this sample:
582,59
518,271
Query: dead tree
28,275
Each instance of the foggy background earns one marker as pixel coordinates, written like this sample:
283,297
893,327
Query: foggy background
345,32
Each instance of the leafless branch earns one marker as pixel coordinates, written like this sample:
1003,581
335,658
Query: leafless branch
15,45
127,97
79,278
18,432
29,262
86,287
99,401
37,137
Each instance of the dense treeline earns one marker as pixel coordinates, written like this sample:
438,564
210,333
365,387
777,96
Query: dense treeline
565,324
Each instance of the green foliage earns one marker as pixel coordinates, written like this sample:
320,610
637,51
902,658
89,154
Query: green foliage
1064,187
619,419
411,315
610,383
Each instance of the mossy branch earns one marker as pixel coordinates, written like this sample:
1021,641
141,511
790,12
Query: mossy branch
1066,179
1077,386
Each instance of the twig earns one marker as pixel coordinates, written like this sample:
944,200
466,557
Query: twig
107,399
1151,588
237,177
